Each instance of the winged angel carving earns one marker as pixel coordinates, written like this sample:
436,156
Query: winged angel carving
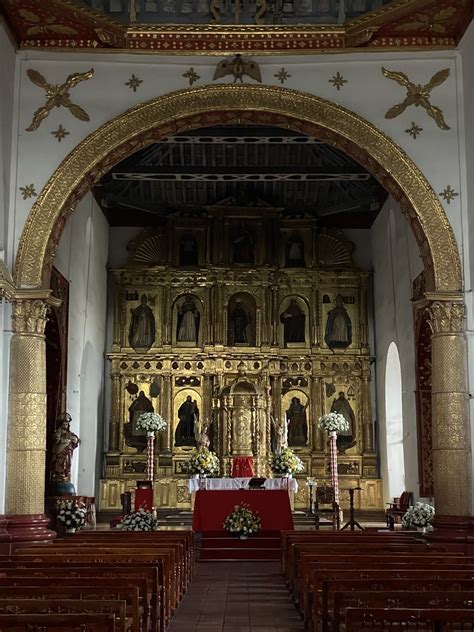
57,96
418,95
238,68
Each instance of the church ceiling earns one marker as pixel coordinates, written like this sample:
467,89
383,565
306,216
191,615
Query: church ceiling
240,166
217,26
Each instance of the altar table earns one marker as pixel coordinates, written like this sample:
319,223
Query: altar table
212,507
216,484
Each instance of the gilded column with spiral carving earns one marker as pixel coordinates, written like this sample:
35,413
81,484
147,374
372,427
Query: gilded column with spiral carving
26,446
450,398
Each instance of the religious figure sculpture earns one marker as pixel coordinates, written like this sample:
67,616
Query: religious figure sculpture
242,432
338,327
280,434
201,434
341,405
188,252
188,321
243,246
295,252
297,423
65,442
239,321
188,415
293,319
141,334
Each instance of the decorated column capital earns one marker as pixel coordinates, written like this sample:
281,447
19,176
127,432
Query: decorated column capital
30,310
447,313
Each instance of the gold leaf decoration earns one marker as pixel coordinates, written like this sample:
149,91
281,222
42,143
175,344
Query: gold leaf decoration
149,252
332,251
48,25
424,22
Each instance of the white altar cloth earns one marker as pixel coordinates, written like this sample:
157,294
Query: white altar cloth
241,483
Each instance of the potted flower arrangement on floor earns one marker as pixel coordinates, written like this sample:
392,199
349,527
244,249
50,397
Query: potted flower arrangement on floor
140,520
286,463
242,522
418,516
71,514
202,463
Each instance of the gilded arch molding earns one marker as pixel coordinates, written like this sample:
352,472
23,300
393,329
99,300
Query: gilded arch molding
208,105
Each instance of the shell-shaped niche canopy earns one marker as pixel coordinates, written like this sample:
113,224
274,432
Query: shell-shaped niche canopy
147,249
334,250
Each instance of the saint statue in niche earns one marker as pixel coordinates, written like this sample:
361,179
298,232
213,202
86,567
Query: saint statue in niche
188,415
141,334
239,320
341,405
65,442
133,437
243,246
188,251
297,424
338,327
188,321
293,319
295,252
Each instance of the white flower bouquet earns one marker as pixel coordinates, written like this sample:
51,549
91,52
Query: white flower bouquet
151,422
140,520
333,422
286,462
242,521
419,515
71,514
203,462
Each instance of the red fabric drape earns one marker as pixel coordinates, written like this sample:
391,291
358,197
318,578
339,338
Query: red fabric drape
242,467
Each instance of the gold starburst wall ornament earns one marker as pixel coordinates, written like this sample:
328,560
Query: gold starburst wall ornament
418,95
57,96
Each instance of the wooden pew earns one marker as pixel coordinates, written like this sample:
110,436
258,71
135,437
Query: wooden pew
452,599
57,622
67,606
421,620
34,586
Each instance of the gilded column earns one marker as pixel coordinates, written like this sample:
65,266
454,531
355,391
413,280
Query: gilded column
368,426
450,398
26,447
167,412
114,422
317,409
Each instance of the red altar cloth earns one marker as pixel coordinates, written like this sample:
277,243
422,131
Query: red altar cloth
144,498
242,467
212,507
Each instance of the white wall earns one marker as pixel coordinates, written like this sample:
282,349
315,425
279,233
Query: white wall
397,263
7,122
82,259
466,106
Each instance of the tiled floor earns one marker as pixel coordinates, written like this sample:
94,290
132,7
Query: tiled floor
237,597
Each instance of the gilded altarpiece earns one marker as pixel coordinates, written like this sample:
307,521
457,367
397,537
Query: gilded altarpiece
234,316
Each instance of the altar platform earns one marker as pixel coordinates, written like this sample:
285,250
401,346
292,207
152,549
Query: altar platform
211,508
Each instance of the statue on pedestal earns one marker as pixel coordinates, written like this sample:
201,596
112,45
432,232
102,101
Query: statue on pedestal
201,434
65,442
280,429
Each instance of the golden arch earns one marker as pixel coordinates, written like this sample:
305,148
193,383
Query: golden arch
207,105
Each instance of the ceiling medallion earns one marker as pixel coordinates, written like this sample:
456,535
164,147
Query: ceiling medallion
338,81
57,96
418,95
133,83
238,68
282,75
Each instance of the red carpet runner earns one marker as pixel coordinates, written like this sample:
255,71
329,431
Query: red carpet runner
218,545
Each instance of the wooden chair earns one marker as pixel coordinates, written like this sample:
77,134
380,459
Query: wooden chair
397,509
325,505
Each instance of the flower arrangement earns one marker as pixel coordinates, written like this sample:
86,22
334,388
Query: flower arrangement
202,462
286,462
151,422
140,520
333,422
71,514
242,521
419,515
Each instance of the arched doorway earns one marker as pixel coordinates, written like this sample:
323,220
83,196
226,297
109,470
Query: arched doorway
311,115
394,423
